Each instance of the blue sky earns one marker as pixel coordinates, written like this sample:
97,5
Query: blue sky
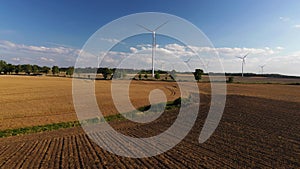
270,25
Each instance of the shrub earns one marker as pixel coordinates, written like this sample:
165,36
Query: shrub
230,79
198,74
157,76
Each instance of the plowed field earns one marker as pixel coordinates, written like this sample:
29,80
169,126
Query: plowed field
253,133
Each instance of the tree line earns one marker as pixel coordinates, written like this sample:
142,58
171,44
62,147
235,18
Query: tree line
108,73
7,68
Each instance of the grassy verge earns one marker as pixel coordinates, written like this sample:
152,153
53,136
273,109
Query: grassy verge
56,126
36,129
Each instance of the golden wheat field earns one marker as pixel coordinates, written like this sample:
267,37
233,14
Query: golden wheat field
29,101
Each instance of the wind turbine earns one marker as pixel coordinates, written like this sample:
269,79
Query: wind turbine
262,68
206,65
186,61
153,41
243,62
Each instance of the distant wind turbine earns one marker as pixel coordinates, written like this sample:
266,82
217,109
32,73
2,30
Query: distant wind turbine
153,41
262,68
186,61
243,62
205,65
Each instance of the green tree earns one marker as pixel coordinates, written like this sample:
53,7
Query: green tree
107,72
198,74
146,76
35,69
45,69
18,69
70,71
9,68
157,76
55,70
2,66
230,79
27,69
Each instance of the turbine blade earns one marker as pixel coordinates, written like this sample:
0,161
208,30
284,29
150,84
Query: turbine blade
239,57
246,55
144,28
160,25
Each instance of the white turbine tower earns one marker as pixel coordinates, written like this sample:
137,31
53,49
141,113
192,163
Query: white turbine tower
206,65
243,62
262,68
153,41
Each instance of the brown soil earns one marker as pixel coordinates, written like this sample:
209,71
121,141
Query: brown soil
253,133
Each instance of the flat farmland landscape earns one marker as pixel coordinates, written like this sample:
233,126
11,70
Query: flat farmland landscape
259,128
29,101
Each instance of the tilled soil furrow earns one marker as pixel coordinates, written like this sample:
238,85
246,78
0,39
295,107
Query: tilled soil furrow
38,154
166,159
67,153
109,160
188,148
3,148
77,152
73,163
145,161
56,153
261,154
118,163
28,155
46,160
12,151
87,155
61,152
18,156
96,152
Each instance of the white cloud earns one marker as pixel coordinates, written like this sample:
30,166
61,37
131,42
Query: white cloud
279,48
47,59
232,52
169,56
175,56
38,49
133,50
175,47
15,59
36,54
110,40
297,26
284,19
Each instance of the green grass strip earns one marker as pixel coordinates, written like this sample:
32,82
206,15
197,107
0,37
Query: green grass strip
36,129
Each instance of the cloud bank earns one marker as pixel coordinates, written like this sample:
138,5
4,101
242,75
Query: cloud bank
168,57
23,54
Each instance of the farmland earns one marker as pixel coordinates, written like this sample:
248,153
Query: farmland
259,128
29,101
